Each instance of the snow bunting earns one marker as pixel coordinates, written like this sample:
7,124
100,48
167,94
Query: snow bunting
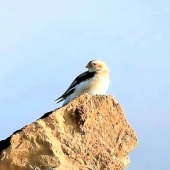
95,81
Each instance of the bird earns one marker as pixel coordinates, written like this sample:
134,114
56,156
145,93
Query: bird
95,81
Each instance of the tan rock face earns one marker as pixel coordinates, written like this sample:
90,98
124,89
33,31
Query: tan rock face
90,133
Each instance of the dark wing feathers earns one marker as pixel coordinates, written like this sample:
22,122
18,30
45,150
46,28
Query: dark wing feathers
63,97
82,77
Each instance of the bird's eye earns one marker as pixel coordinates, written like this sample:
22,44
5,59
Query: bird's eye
94,64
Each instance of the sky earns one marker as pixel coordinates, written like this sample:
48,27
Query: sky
44,45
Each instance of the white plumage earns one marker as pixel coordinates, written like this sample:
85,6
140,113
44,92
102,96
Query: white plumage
95,81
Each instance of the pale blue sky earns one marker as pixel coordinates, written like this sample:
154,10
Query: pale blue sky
45,44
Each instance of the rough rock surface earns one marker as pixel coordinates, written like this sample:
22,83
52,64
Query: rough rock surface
90,133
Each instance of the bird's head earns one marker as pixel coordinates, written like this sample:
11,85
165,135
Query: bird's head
97,65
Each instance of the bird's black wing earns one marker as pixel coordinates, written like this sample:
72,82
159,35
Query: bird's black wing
82,77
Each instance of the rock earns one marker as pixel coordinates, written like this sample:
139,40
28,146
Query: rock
90,133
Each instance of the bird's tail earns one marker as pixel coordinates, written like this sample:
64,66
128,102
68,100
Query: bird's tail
58,101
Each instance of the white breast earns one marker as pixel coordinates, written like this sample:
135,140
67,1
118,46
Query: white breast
97,85
100,86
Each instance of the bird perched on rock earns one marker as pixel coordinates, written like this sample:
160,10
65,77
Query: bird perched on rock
95,81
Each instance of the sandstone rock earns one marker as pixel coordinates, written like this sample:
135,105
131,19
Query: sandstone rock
90,133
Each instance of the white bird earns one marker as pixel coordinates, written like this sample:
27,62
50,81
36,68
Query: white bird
95,81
